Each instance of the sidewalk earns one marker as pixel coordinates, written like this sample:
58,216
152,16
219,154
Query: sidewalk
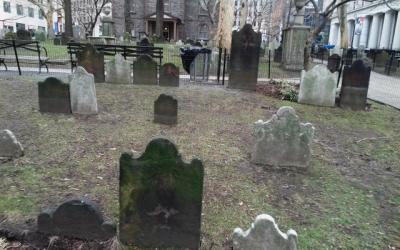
384,89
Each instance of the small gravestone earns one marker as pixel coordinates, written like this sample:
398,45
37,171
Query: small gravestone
145,71
169,75
118,70
76,219
54,96
83,92
264,234
166,110
10,148
92,61
244,61
355,85
282,141
334,63
160,198
318,86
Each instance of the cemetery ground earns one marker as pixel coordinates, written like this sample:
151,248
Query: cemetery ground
348,198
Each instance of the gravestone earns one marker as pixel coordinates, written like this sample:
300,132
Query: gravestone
169,75
166,110
92,61
282,141
76,219
83,92
10,147
54,96
160,198
264,234
334,63
318,86
244,61
145,71
355,85
118,70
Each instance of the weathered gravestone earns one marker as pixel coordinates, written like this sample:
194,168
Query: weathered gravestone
166,110
83,92
160,198
118,70
169,75
282,141
76,219
92,61
334,63
145,71
318,86
264,234
244,61
9,146
54,96
355,85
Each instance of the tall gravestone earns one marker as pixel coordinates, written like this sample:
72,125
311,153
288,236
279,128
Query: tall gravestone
145,71
169,75
118,70
166,110
54,96
92,61
244,61
334,63
355,85
83,92
160,198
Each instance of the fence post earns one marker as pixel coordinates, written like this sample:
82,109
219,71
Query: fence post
269,64
16,56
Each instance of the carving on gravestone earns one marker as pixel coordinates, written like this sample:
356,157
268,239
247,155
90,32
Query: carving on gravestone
264,234
166,110
169,75
145,70
334,63
244,61
83,92
118,70
355,85
282,141
92,61
160,198
76,219
54,96
318,86
10,147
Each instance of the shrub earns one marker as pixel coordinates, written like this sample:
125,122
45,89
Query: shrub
40,36
10,35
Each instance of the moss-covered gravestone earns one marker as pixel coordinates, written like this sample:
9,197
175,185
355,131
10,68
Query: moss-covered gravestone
54,96
145,71
166,110
93,62
160,198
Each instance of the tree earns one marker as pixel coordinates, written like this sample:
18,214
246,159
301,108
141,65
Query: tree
87,15
47,9
159,18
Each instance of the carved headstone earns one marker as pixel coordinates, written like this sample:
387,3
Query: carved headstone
160,198
76,219
92,61
334,63
54,96
145,71
83,92
9,146
355,85
282,141
244,61
318,86
118,70
169,75
264,234
166,110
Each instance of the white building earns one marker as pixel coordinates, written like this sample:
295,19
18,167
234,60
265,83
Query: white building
370,25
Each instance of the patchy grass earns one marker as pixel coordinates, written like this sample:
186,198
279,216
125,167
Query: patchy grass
347,199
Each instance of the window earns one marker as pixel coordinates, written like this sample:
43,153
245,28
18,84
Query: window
20,10
31,12
7,7
20,26
167,6
203,33
40,14
42,29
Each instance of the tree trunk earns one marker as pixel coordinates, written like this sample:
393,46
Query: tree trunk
342,14
68,19
159,18
49,19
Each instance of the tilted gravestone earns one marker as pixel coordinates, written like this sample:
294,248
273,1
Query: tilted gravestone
10,147
282,141
334,63
54,96
92,61
318,86
264,234
83,92
145,71
76,219
355,85
166,110
244,61
169,75
160,198
118,70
